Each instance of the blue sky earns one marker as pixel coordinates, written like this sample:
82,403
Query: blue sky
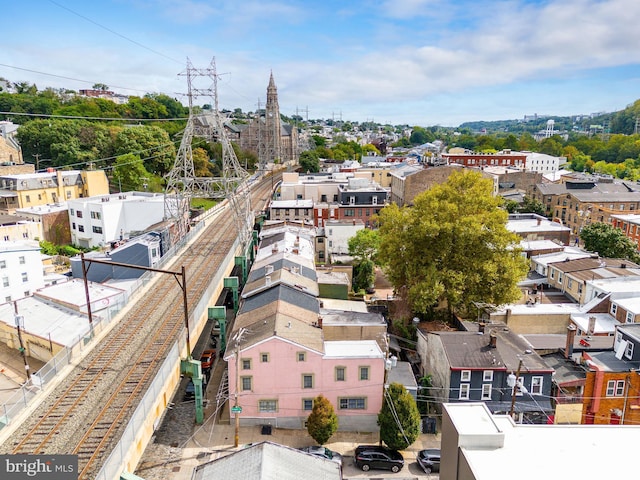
416,62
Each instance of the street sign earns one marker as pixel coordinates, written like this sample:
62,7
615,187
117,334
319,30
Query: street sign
236,409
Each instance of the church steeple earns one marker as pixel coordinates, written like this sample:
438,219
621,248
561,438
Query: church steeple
273,132
272,98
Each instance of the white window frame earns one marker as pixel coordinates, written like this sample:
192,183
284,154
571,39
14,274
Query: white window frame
629,317
268,405
536,389
613,309
463,394
465,375
486,391
487,376
628,352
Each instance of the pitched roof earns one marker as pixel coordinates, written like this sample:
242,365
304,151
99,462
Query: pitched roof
268,461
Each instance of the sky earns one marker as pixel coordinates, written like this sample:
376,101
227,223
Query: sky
415,62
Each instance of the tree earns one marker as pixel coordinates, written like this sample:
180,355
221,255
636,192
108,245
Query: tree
399,418
364,246
129,173
309,161
609,242
531,205
452,248
322,421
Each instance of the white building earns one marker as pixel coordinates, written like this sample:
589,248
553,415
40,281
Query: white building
477,445
97,221
21,270
541,162
337,234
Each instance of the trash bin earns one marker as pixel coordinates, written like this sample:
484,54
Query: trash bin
429,425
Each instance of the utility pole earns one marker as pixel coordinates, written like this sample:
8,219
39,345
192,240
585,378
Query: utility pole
19,319
515,389
37,157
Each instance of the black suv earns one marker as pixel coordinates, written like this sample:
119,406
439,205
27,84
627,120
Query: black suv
373,456
429,460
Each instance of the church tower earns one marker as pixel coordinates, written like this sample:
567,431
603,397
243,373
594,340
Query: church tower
272,134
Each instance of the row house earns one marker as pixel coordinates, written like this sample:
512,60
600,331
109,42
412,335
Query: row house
479,366
580,202
531,227
612,386
504,158
280,358
361,199
36,189
629,224
332,242
21,270
571,275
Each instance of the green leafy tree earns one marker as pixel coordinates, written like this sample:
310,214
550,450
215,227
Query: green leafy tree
370,148
452,248
129,173
322,422
363,246
531,205
152,144
399,418
309,161
609,242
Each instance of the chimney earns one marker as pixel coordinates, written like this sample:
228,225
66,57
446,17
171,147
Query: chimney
267,280
319,321
571,335
592,325
539,221
493,340
481,326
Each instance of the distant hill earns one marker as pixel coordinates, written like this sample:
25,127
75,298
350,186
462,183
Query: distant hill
622,121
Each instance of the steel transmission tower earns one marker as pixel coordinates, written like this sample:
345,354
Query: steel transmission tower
183,185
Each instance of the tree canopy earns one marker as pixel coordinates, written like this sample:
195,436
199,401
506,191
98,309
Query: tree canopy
452,248
609,242
322,422
399,418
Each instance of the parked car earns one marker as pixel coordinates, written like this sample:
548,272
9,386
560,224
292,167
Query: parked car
207,358
190,391
323,452
429,460
379,458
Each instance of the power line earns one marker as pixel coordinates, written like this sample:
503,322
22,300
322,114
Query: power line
77,117
115,33
67,78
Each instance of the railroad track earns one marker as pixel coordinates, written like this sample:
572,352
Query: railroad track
87,412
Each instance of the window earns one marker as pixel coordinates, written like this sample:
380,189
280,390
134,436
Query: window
614,308
301,356
96,229
25,235
6,238
307,404
21,260
81,228
629,318
246,383
73,225
349,212
352,200
3,264
487,376
486,391
95,215
268,406
5,281
68,194
25,277
553,272
340,374
264,357
570,283
559,278
72,212
307,380
464,391
27,198
364,373
7,299
352,403
465,376
629,351
579,288
246,364
39,196
78,214
536,385
615,388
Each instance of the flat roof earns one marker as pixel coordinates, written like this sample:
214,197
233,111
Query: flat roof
553,443
605,323
522,225
352,349
329,304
